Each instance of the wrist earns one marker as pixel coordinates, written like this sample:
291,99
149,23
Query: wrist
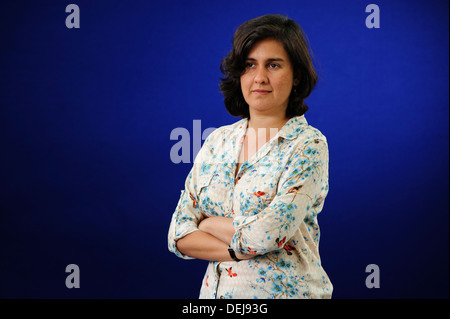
243,257
233,255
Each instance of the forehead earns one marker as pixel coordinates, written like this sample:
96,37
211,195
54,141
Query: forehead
268,49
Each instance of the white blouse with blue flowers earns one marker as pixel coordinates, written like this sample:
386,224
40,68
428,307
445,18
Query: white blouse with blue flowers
274,202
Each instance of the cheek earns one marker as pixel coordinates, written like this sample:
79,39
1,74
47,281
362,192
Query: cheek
244,79
284,85
245,87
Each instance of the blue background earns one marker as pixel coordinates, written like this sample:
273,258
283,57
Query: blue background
86,116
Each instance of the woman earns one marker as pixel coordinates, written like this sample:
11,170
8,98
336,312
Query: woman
251,200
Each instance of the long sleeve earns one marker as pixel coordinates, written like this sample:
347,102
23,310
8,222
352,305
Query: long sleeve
188,213
184,220
301,192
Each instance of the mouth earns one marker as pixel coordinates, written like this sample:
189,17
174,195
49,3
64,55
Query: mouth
261,92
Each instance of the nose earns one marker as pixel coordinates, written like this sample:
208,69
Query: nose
261,75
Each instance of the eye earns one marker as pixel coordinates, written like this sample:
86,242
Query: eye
273,66
249,65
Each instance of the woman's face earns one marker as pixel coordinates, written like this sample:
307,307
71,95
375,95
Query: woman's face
268,78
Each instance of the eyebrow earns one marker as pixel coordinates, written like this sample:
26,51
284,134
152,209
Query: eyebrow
268,60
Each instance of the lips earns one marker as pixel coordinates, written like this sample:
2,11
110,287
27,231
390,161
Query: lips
261,91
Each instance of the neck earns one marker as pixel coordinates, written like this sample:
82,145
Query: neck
264,127
258,121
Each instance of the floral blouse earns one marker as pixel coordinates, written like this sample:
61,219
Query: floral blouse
274,202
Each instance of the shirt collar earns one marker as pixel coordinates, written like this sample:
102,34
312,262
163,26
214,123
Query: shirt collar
289,131
293,127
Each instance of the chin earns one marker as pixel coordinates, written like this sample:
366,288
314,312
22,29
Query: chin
261,109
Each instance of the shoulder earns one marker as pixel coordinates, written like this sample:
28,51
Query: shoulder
221,140
312,134
313,143
305,140
227,130
300,132
225,134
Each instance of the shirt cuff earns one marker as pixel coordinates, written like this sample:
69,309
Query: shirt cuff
239,242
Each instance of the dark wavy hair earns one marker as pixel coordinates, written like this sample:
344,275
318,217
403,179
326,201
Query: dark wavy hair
294,40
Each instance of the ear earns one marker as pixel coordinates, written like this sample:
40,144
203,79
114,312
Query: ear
296,81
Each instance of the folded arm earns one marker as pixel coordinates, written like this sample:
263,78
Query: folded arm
211,241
